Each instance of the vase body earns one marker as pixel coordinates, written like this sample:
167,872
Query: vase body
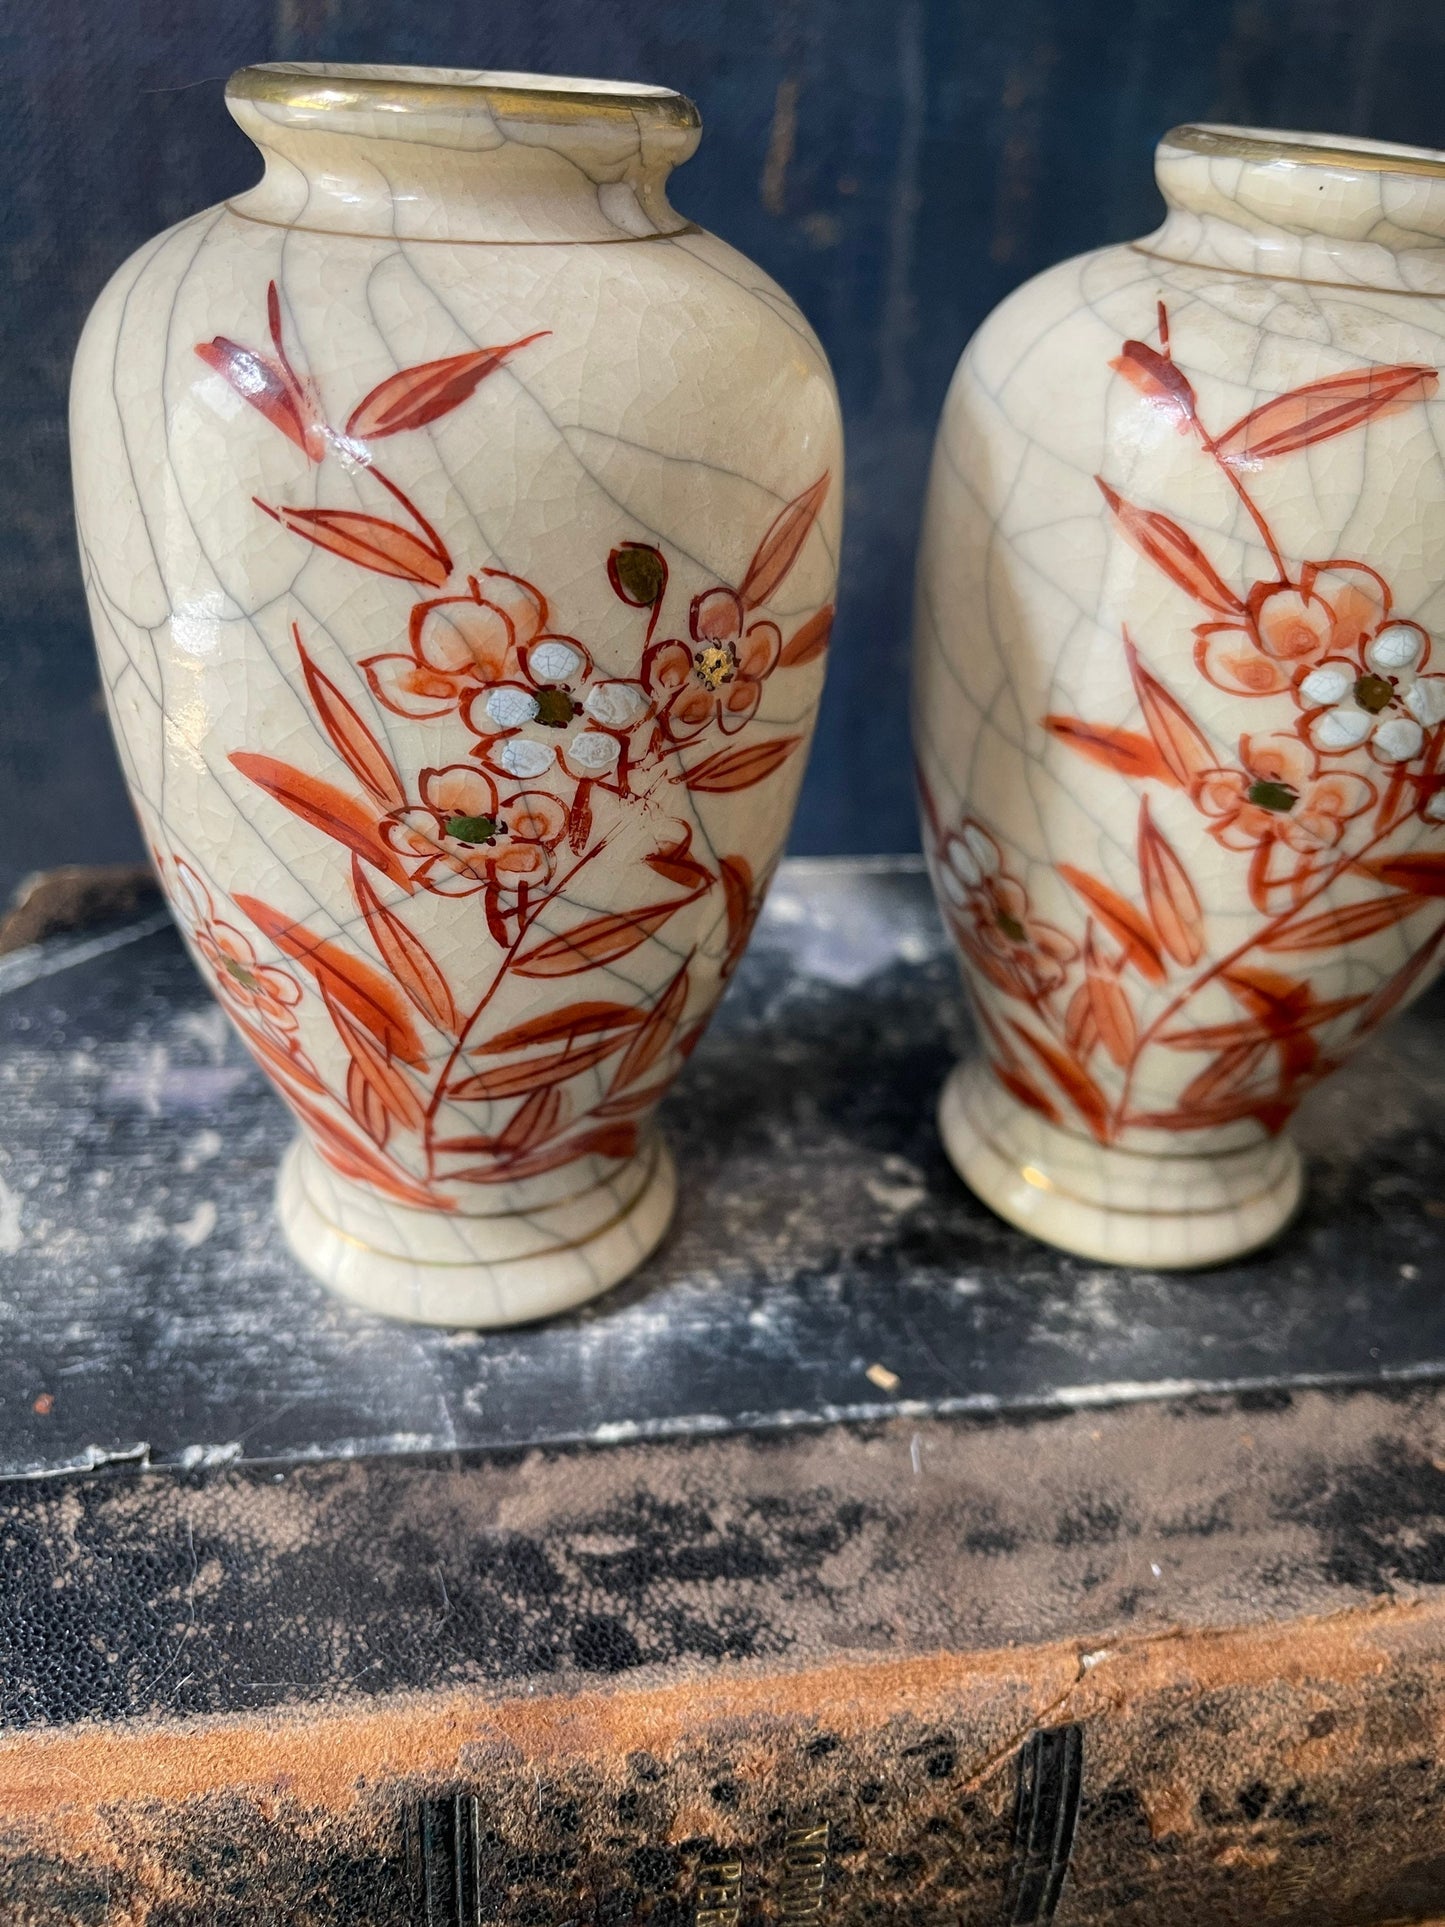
460,531
1180,689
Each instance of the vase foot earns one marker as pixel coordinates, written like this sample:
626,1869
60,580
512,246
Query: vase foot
1166,1211
444,1268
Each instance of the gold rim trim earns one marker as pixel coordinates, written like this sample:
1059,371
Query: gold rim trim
411,90
1383,288
467,241
1310,151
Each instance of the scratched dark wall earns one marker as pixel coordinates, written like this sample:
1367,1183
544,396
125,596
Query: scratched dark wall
898,165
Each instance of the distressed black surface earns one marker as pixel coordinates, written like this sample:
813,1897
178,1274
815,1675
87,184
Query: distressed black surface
149,1307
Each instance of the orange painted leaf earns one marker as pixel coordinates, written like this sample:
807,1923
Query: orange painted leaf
810,641
629,1103
1072,1079
1423,874
422,394
1120,919
1348,925
366,1106
355,1158
352,983
1165,544
352,740
737,882
286,1064
1081,1033
406,957
780,547
1247,1030
601,941
1027,1092
1123,750
374,1063
677,863
258,382
535,1120
739,769
656,1034
369,540
617,1140
1179,740
1171,898
1276,1000
1227,1075
325,808
533,1073
1158,380
573,1020
1322,409
1109,1005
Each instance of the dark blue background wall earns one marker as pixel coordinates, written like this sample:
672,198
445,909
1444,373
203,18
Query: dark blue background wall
898,165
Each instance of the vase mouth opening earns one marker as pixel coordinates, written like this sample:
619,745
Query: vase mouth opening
309,92
1339,153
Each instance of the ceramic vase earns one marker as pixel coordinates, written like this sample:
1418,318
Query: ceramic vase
460,529
1180,688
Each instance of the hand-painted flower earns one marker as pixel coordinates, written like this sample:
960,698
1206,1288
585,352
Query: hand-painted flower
461,837
1287,628
721,677
992,918
260,991
462,644
1279,793
1389,706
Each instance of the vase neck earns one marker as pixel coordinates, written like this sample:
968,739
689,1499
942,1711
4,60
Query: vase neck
438,154
1305,207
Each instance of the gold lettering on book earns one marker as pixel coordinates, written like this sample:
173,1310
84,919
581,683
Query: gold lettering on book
804,1873
719,1901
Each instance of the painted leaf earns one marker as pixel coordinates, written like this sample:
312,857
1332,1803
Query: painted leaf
678,865
810,641
325,808
531,1123
350,981
1165,544
1027,1092
601,941
1229,1073
420,395
1394,992
1157,380
369,540
558,1026
1179,740
406,957
1276,1000
656,1034
1322,409
1348,925
1123,750
1423,874
374,1064
781,546
365,1105
1109,1004
355,1158
1072,1079
617,1140
1081,1033
1246,1030
286,1064
1120,919
739,769
352,740
1170,896
528,1074
257,381
630,1103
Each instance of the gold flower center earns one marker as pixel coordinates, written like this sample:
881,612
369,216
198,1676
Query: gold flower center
716,664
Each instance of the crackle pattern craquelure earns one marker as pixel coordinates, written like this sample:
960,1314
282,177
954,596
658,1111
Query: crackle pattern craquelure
460,531
1180,688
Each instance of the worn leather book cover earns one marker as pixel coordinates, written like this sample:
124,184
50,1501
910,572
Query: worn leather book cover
1152,1662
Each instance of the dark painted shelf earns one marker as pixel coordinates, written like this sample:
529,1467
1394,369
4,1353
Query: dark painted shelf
149,1311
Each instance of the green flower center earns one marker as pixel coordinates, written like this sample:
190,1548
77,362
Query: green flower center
1373,693
239,972
1273,796
1012,928
555,708
471,829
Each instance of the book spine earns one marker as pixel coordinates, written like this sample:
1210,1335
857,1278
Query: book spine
1290,1774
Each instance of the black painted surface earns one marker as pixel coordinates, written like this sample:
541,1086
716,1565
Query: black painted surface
899,168
149,1309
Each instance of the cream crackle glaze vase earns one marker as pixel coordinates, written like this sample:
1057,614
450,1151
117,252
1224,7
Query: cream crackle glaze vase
1180,688
460,530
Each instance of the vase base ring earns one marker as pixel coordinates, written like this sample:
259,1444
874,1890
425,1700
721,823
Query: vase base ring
1170,1211
448,1268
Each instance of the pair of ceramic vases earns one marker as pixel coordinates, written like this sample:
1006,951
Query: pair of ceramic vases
460,526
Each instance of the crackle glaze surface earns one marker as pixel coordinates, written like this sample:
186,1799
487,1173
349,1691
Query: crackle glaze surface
1180,688
460,531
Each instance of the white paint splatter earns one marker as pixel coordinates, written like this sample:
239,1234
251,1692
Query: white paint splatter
11,1235
199,1226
